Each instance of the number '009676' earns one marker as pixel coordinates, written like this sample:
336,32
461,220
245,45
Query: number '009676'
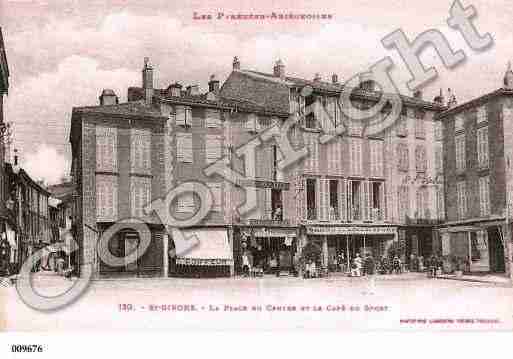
26,348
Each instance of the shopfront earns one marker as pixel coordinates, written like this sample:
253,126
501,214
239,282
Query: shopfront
481,246
340,244
211,257
269,248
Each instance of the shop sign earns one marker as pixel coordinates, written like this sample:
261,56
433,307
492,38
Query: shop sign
203,262
350,230
265,184
268,222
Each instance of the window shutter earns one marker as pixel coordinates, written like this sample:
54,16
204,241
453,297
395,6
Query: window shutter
366,200
342,187
213,149
268,203
213,118
188,116
215,188
385,198
325,199
349,205
180,115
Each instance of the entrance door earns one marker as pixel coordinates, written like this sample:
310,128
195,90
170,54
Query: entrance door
496,251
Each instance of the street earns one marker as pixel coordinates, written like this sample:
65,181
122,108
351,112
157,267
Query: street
399,302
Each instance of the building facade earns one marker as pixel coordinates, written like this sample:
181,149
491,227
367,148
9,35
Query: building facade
477,175
356,193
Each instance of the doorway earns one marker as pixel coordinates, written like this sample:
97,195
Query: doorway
496,251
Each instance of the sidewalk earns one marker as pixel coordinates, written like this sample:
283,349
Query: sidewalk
480,278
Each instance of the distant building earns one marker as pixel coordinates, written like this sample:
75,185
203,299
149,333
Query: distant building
478,175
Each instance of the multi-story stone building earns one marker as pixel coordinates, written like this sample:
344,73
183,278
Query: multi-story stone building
478,149
357,192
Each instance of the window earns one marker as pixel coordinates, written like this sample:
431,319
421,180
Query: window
312,160
403,193
106,149
215,189
355,200
484,196
482,115
376,158
356,155
377,193
311,200
402,124
310,121
185,203
252,124
213,118
140,194
183,116
422,203
459,123
140,151
461,189
276,204
460,152
482,147
333,193
106,197
440,204
213,148
439,162
420,159
439,134
184,151
420,131
403,160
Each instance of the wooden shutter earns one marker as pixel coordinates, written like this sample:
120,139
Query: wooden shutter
366,204
267,203
349,207
180,115
342,205
324,199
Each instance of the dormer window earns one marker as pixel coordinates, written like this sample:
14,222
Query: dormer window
252,124
183,116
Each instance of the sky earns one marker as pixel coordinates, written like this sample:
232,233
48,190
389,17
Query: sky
61,54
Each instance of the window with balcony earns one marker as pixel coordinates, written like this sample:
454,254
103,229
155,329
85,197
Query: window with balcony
355,145
377,189
277,204
311,198
420,159
355,200
482,147
459,142
334,214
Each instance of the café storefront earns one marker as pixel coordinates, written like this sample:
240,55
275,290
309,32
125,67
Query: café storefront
270,245
344,242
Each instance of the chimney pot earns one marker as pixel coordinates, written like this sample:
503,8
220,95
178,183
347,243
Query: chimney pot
236,63
213,84
279,70
317,77
192,90
334,78
147,81
174,90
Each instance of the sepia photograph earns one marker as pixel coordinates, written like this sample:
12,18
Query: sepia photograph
255,166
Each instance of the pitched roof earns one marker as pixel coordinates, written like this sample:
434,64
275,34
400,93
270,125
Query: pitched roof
475,102
133,108
62,190
322,86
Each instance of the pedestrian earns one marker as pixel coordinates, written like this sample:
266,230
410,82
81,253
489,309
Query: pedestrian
370,269
357,265
246,266
396,265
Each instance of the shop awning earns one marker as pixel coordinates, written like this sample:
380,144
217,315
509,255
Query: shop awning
213,248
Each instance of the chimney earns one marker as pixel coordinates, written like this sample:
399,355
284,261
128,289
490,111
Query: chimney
15,156
440,98
174,90
213,84
108,97
147,81
508,77
334,79
192,90
367,81
451,102
236,63
279,70
317,77
418,94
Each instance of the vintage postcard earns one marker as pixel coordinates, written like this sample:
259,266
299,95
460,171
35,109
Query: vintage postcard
255,165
